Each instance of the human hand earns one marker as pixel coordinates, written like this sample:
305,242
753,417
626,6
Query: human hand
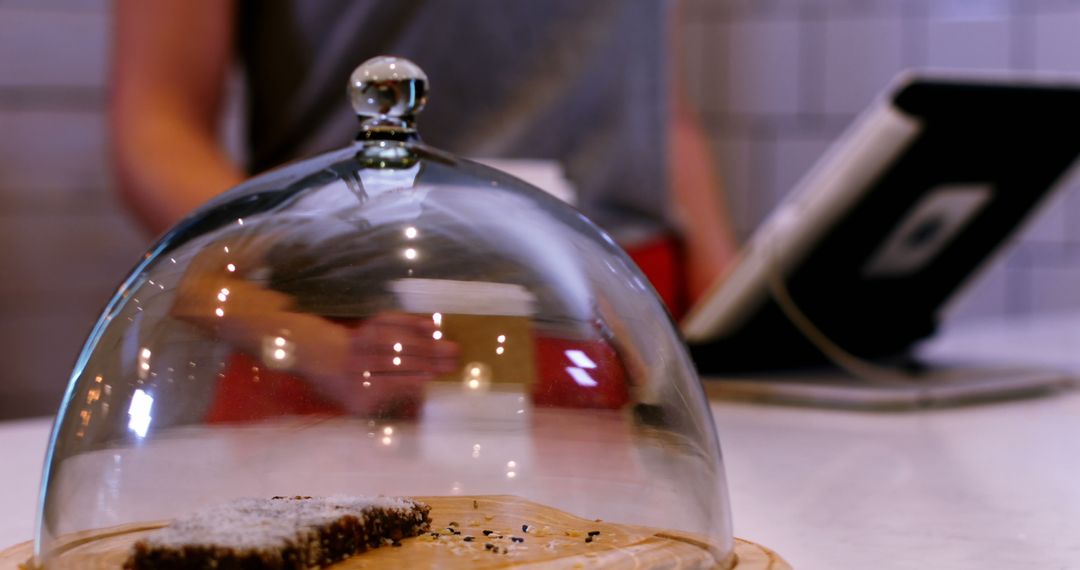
373,368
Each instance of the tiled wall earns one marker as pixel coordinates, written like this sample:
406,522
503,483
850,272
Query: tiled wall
64,244
776,80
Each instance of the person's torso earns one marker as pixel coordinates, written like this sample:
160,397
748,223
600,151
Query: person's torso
580,82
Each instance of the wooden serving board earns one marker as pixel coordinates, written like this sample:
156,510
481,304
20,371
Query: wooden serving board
555,539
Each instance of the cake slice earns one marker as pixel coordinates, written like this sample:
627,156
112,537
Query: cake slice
282,533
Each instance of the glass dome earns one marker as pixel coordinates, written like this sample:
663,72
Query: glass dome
388,319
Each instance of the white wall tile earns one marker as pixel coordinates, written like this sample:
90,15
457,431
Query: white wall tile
67,266
1057,41
39,354
32,201
986,294
861,57
52,150
47,48
1049,222
99,6
66,255
969,9
734,159
1053,221
793,158
1072,214
1055,288
970,44
761,198
764,67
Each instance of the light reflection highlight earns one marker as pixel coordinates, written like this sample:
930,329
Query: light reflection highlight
144,363
581,377
580,359
139,410
278,352
476,377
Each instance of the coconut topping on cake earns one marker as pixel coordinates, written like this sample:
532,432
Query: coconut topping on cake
282,532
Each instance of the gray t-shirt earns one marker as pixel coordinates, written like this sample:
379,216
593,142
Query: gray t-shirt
583,82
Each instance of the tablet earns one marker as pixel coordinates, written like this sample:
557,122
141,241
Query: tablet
896,217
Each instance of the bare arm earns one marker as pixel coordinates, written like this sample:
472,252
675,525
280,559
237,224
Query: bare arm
363,368
169,64
708,238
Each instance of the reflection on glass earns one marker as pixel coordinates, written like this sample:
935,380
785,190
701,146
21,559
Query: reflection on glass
426,327
139,412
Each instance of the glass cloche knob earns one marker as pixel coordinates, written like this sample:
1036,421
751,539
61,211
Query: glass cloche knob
387,93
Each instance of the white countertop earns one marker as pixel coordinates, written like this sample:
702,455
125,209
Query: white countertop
985,486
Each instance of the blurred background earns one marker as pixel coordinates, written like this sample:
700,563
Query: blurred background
775,81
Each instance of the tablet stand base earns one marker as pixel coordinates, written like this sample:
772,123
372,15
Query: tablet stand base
934,385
